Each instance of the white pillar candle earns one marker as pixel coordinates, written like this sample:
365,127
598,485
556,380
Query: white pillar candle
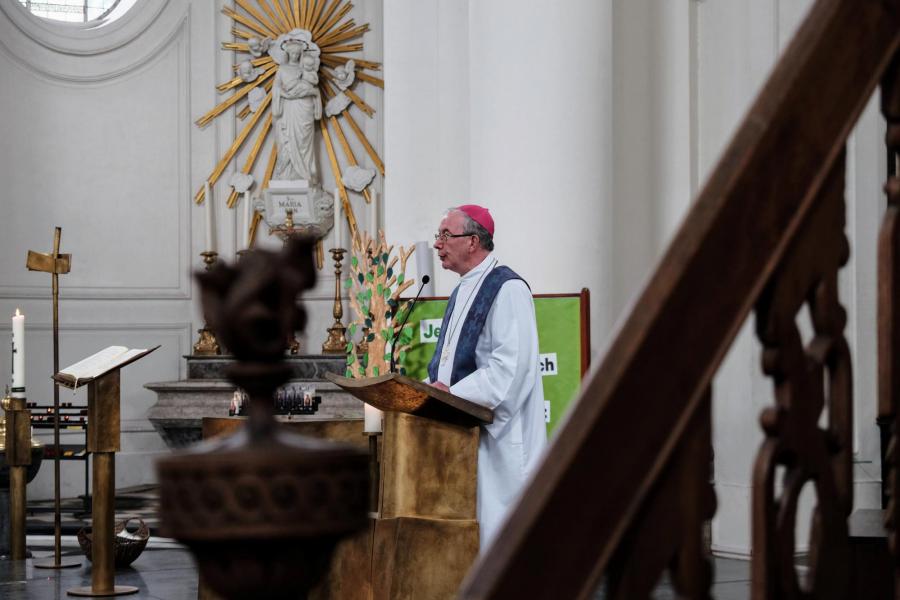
373,215
18,353
210,233
248,218
338,218
372,423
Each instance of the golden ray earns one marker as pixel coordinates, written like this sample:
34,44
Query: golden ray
369,79
242,34
334,60
328,37
307,10
254,227
365,142
280,10
317,27
340,14
205,119
245,4
284,26
348,152
347,48
249,23
289,13
244,112
239,140
360,103
235,46
257,62
340,36
296,9
251,158
316,13
336,170
320,254
270,166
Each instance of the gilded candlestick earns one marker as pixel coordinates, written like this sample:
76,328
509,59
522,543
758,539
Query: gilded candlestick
337,338
207,345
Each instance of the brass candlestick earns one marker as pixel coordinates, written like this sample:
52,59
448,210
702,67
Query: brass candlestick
337,338
207,345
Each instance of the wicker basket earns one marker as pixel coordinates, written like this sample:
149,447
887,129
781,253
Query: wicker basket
127,545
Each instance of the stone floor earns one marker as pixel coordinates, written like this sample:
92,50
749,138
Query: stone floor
166,572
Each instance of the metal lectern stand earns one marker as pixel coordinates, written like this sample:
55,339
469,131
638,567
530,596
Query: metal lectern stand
102,444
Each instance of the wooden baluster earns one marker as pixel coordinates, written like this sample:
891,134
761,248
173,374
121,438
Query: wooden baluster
808,379
889,310
668,530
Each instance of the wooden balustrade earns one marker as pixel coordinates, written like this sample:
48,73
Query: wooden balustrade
889,306
621,494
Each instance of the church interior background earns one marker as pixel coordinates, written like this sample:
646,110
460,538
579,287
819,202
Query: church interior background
587,127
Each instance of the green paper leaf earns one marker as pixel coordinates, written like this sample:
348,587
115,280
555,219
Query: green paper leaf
371,337
354,261
349,347
361,278
390,273
350,359
387,292
385,257
362,371
370,278
402,355
352,329
348,373
401,278
380,289
380,270
375,371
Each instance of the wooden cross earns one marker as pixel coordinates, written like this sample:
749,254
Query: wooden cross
55,263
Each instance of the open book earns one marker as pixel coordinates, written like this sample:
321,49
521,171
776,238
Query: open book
101,363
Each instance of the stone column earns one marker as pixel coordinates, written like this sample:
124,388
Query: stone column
540,148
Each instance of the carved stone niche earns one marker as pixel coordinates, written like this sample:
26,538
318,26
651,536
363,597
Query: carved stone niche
263,509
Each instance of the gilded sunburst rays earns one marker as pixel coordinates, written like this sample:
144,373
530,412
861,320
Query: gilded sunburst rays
336,35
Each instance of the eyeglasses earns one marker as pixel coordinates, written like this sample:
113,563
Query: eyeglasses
446,235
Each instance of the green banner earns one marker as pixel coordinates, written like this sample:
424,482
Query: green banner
559,344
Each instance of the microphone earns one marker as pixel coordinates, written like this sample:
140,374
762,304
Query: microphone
425,280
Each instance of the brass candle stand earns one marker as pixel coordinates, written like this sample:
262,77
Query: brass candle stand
207,345
56,264
337,338
18,458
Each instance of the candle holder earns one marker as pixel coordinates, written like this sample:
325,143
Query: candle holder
337,338
207,345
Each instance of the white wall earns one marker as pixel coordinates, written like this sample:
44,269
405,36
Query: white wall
98,136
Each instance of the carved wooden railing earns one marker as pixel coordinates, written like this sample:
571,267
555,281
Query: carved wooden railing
624,490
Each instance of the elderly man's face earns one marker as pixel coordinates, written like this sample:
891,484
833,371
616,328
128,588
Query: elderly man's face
454,252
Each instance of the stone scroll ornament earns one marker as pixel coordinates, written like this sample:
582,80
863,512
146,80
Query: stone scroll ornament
269,73
262,510
375,283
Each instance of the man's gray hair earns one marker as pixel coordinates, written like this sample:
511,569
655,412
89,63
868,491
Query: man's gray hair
472,227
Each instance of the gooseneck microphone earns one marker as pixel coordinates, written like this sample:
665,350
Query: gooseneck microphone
425,280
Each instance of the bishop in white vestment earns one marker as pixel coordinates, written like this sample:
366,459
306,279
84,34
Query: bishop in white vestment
487,353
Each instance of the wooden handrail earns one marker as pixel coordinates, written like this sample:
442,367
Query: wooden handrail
635,406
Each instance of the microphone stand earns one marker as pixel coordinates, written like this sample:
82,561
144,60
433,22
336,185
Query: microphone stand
425,280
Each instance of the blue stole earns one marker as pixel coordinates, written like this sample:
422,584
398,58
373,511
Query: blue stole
464,359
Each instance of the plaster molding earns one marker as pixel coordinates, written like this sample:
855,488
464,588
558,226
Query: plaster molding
84,53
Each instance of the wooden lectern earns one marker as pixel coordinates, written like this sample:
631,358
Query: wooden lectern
424,533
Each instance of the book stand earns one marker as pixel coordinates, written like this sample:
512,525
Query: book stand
103,441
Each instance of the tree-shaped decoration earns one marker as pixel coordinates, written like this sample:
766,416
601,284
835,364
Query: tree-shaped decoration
375,284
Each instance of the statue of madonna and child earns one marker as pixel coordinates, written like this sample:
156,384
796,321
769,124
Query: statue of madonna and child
296,106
